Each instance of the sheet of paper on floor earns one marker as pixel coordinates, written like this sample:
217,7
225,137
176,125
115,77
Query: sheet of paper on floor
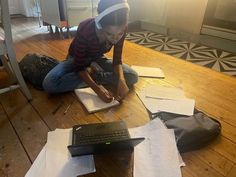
152,125
157,156
38,167
180,106
148,71
54,159
59,159
164,92
150,104
183,107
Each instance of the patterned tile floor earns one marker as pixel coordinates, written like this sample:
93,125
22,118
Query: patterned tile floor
218,60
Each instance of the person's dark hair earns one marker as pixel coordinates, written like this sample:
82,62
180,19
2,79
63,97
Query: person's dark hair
116,18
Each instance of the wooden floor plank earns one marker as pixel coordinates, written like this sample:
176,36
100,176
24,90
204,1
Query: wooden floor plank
214,93
30,128
232,172
225,147
198,168
46,105
14,161
214,160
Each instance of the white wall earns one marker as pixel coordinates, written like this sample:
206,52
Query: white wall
134,10
186,15
14,6
25,7
152,11
30,9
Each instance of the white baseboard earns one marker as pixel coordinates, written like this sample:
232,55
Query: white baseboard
219,32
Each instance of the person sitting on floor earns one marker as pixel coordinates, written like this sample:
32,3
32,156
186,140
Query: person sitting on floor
86,64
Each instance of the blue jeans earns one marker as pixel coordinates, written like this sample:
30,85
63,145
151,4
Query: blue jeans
63,78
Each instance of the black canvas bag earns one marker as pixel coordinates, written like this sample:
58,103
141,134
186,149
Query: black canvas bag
34,68
191,132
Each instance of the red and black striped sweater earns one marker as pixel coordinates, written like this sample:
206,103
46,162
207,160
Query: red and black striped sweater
85,46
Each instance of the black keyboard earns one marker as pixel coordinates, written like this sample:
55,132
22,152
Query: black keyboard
91,138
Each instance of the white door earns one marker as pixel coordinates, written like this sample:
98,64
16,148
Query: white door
14,6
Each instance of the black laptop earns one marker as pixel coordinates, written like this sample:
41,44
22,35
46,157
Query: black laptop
100,138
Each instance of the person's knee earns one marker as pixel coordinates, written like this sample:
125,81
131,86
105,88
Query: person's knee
48,85
131,78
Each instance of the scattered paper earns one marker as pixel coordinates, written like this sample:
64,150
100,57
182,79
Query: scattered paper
149,103
183,107
163,92
55,161
153,125
157,156
38,167
177,104
91,101
148,71
59,159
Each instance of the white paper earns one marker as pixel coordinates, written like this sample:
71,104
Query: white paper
148,71
54,159
157,155
152,125
91,101
38,167
59,162
164,92
181,106
149,103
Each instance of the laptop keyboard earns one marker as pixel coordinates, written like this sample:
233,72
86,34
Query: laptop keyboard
91,138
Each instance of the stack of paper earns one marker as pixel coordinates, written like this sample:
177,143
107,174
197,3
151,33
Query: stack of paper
148,71
91,101
168,99
54,159
157,155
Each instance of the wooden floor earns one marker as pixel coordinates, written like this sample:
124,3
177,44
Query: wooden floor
24,125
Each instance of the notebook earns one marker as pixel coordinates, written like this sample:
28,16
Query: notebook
91,101
100,138
148,71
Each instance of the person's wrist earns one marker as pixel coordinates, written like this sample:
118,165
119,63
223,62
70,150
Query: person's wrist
95,87
122,79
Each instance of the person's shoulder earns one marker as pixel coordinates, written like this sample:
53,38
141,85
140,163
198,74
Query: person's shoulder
87,27
87,22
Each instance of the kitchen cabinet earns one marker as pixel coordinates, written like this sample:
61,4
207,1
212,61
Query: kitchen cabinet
67,13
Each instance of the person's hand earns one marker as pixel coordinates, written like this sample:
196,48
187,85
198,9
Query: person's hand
104,94
122,90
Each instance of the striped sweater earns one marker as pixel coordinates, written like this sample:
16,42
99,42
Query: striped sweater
86,48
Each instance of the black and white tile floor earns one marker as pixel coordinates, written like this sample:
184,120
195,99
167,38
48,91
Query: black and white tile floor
218,60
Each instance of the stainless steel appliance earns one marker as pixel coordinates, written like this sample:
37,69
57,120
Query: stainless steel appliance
220,19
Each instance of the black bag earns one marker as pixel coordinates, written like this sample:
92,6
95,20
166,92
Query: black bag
191,132
34,68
